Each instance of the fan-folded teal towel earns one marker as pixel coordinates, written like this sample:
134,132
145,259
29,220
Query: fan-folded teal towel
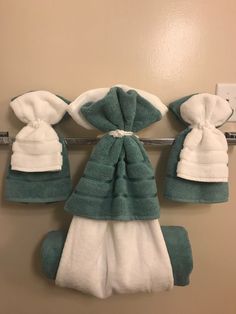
118,182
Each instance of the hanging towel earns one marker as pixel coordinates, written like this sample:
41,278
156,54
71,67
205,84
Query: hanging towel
193,146
114,246
118,182
176,240
39,186
37,147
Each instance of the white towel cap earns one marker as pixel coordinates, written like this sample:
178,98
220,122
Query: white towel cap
204,155
37,147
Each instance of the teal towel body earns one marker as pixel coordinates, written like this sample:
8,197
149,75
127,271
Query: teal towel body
118,182
181,190
176,239
39,187
179,249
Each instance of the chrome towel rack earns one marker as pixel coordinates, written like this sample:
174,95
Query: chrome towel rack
5,139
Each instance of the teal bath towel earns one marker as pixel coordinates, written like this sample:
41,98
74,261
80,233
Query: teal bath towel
39,187
118,182
176,239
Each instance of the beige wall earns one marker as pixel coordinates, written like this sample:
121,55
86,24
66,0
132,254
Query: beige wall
170,48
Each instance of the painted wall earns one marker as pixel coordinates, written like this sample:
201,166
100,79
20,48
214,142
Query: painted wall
171,48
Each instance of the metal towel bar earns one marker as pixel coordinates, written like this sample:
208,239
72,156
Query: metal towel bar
5,139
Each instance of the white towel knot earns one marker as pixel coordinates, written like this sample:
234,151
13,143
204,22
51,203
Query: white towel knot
202,125
121,133
35,123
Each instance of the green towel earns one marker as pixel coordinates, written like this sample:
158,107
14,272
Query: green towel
51,251
39,187
176,239
182,190
118,182
179,249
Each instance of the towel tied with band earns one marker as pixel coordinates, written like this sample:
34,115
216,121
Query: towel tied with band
118,182
115,243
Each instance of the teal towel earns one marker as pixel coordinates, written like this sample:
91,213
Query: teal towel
51,251
182,190
176,239
118,182
39,187
179,249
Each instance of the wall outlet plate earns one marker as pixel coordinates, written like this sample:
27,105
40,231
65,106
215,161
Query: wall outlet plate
228,92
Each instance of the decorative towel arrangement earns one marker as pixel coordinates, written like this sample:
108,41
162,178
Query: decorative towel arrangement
197,169
39,170
176,240
115,244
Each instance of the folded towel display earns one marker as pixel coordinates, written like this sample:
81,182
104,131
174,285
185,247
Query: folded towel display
176,240
39,169
115,243
197,169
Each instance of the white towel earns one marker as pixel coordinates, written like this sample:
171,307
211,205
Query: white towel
102,257
37,147
204,155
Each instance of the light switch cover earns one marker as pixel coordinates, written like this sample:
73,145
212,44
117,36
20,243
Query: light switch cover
228,92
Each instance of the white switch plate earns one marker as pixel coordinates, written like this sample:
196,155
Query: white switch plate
228,92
